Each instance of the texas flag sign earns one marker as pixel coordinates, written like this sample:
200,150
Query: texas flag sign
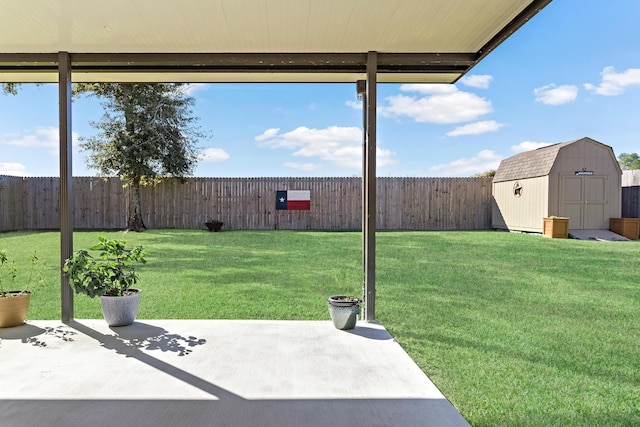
293,200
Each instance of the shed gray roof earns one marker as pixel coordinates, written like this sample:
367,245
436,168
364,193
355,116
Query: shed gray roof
531,164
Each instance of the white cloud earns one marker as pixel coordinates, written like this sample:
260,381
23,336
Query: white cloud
480,81
191,88
267,134
436,103
528,146
356,105
213,155
483,161
429,89
341,146
614,83
13,169
556,95
306,167
384,157
9,136
476,128
44,137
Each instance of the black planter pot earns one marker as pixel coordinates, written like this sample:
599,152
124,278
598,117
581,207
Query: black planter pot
214,225
344,311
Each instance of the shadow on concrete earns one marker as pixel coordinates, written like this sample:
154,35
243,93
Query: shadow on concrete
371,333
34,335
138,338
144,336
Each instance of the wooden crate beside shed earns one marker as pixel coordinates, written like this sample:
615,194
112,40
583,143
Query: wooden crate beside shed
627,227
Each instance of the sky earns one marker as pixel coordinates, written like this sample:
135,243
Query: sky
573,71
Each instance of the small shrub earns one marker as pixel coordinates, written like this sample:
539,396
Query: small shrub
111,274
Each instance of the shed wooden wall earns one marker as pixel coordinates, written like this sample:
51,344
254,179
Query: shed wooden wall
522,213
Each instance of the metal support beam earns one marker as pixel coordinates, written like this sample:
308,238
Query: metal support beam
41,65
361,91
66,180
369,190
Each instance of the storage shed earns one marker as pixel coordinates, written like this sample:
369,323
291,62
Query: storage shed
578,179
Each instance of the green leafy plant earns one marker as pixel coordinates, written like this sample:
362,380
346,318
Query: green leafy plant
9,271
112,273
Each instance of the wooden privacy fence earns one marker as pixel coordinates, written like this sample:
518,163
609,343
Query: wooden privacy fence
249,203
631,194
11,203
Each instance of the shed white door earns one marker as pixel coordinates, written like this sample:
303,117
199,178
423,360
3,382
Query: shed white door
584,199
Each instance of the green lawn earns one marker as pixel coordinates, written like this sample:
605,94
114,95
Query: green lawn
515,329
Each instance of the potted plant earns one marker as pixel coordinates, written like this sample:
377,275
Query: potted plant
344,311
14,304
111,276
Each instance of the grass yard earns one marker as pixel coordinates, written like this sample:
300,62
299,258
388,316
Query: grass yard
515,329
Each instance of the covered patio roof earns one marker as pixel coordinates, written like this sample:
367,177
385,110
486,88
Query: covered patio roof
434,41
364,41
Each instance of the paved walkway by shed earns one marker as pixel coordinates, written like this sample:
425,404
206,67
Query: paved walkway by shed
212,373
601,235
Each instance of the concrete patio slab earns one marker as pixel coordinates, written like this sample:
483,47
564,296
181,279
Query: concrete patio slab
212,373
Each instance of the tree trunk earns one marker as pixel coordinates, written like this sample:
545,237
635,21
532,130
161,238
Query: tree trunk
135,222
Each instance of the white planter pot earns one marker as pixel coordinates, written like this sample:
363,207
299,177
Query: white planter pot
344,311
121,311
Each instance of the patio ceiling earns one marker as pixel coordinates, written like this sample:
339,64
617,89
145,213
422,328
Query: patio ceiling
434,41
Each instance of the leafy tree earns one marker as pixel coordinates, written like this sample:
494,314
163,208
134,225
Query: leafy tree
629,161
10,88
147,132
490,173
